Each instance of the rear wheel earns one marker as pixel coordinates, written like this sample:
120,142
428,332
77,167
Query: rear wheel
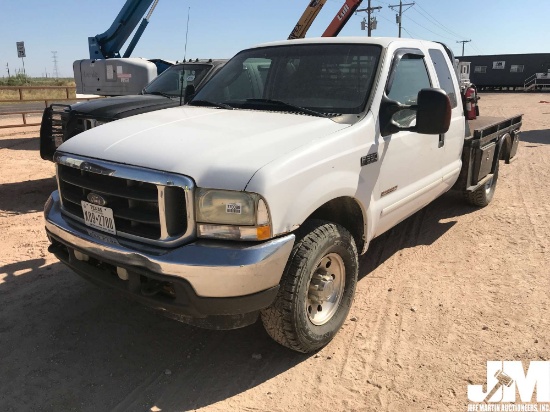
483,195
316,290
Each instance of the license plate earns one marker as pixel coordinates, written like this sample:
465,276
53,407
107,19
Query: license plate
99,217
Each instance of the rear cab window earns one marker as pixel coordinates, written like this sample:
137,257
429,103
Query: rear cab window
444,75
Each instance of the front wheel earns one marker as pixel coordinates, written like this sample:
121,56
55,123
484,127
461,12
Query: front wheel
316,290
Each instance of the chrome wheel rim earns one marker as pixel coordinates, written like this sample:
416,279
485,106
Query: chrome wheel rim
325,289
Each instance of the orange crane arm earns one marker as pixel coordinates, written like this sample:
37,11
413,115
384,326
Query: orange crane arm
341,18
303,25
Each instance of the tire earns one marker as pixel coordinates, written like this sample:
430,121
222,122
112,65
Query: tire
483,195
316,289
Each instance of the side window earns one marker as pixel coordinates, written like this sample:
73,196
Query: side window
409,78
444,75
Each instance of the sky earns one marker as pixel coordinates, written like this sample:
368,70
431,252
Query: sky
221,28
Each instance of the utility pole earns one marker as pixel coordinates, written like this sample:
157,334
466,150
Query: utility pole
371,21
401,11
463,41
55,71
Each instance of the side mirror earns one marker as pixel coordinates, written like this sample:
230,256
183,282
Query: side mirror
189,93
433,113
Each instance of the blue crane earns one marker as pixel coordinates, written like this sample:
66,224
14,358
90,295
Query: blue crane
107,45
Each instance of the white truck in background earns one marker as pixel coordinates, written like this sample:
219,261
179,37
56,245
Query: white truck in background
258,196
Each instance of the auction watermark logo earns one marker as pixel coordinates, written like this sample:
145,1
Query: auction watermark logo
510,389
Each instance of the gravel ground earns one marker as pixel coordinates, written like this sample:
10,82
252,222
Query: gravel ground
440,294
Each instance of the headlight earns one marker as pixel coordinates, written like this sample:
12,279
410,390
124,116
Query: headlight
225,214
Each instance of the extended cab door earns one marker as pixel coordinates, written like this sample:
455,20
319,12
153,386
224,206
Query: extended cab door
410,173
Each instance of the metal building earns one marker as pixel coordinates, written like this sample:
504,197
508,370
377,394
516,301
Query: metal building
510,71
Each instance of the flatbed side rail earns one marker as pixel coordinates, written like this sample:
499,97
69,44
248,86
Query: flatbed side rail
498,127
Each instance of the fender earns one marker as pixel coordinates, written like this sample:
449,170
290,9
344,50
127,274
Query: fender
504,143
322,170
290,208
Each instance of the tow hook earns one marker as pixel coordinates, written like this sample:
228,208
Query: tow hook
151,288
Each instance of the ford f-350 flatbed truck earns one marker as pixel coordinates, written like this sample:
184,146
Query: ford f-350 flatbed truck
258,196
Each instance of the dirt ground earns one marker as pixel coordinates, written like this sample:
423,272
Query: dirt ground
440,294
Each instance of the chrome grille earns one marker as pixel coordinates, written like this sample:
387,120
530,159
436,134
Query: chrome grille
150,206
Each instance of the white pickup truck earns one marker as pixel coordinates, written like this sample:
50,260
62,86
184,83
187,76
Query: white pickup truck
258,197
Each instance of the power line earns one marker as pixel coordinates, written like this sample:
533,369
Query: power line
425,28
439,23
385,18
436,24
412,36
432,20
477,48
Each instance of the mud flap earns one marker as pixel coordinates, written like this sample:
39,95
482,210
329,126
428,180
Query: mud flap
514,148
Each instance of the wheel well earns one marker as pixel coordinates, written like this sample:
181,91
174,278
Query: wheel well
346,212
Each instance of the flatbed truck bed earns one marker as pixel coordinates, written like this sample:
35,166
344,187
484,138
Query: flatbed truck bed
488,140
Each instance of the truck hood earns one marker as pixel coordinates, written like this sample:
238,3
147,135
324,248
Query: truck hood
217,148
123,106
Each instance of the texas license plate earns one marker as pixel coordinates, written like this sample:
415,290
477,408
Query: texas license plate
99,217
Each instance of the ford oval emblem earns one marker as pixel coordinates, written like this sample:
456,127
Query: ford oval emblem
96,199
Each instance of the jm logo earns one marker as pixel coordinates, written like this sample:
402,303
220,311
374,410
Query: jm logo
504,377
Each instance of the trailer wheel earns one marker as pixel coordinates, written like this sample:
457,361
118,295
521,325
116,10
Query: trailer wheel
483,195
316,289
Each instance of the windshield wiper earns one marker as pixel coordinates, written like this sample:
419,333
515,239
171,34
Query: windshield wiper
160,94
209,103
289,106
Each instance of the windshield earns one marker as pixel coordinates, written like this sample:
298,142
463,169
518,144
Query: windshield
171,81
325,78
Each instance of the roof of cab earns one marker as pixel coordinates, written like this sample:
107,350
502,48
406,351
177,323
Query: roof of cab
381,41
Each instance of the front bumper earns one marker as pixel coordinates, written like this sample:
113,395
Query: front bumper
201,279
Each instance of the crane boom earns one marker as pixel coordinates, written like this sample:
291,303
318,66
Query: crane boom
341,18
107,73
303,25
108,44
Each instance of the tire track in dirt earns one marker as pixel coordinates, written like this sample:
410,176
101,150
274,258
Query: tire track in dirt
384,318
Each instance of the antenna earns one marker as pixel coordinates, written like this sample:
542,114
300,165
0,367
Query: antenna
186,33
